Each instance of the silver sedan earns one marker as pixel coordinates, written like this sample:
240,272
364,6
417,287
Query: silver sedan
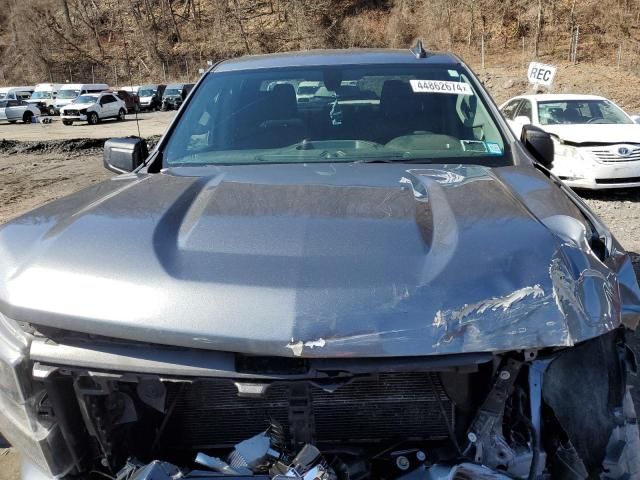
14,110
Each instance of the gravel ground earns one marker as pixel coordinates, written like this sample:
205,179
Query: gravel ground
30,180
620,210
151,124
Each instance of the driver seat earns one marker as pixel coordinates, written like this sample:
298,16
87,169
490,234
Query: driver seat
275,120
399,110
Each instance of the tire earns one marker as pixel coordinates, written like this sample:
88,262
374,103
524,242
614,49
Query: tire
67,122
121,115
92,118
27,116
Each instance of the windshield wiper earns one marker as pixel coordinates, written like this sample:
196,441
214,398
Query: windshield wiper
395,160
376,160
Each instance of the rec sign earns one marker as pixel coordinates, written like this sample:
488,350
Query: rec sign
541,74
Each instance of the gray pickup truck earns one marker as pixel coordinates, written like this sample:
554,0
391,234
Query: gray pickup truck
380,281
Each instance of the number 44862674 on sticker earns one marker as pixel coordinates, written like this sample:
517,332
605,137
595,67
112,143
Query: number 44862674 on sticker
440,86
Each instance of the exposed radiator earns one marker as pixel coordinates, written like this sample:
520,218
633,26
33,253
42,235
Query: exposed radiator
210,413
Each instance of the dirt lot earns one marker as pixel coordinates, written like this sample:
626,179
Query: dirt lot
32,174
510,79
151,124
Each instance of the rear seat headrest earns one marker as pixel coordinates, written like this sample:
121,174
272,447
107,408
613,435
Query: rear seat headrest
284,101
397,98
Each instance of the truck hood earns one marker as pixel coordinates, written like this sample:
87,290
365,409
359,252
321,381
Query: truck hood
64,101
78,106
596,133
310,260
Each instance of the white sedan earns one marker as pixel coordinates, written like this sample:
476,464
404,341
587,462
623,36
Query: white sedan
597,145
17,110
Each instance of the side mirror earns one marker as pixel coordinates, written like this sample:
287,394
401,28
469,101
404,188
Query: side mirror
122,155
539,144
635,118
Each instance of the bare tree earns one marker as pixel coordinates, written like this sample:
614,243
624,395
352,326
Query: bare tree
67,15
40,39
243,33
539,26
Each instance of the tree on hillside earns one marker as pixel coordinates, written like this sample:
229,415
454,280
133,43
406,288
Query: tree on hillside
80,39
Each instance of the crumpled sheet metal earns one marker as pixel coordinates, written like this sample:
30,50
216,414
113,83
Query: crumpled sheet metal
580,300
581,297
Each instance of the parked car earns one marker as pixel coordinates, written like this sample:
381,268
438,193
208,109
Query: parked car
393,287
16,110
151,96
69,92
131,100
175,94
131,88
16,93
44,97
93,108
596,142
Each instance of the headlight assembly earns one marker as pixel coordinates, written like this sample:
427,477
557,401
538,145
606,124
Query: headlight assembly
566,151
41,443
13,369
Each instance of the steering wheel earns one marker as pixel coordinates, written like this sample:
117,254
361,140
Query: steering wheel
593,120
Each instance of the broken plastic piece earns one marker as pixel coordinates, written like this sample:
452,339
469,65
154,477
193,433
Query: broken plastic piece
254,453
219,465
462,470
306,458
308,464
156,470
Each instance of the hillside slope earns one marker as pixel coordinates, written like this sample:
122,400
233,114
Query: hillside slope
134,41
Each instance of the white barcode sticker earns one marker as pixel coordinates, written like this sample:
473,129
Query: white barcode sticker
441,86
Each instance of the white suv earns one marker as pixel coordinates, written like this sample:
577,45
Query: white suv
92,108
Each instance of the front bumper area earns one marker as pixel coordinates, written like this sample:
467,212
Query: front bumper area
99,373
43,107
598,168
74,118
601,183
23,421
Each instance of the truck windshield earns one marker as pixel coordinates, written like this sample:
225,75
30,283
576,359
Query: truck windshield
68,94
86,99
402,113
40,95
573,112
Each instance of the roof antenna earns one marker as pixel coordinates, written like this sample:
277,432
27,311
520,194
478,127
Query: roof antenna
419,50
